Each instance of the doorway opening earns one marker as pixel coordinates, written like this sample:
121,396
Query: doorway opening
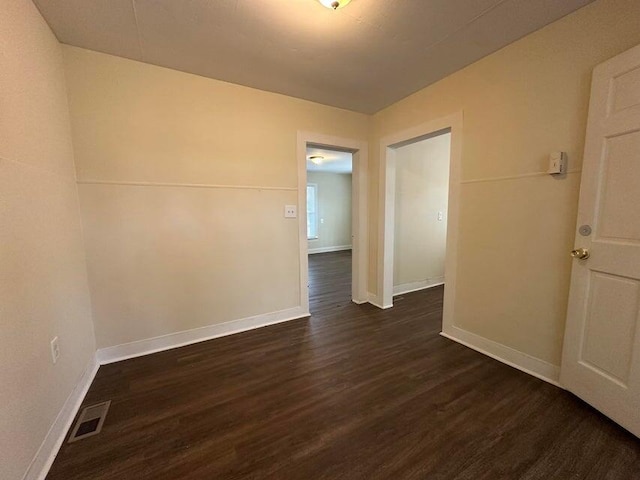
332,186
403,160
420,216
328,216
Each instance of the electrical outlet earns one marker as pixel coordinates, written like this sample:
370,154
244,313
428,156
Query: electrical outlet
55,350
440,216
290,211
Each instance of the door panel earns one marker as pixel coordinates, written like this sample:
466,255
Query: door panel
624,91
601,355
610,325
621,184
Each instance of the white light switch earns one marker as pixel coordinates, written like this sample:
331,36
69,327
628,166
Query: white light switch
440,216
290,211
557,163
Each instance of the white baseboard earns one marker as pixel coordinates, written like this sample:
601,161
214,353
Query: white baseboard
338,248
514,358
49,448
374,300
415,286
51,444
188,337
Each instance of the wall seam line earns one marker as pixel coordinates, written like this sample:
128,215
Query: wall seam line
518,177
185,185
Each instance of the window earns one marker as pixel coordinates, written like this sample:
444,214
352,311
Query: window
312,211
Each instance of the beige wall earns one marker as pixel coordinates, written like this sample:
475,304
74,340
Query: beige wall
422,189
183,180
519,104
334,210
43,280
174,239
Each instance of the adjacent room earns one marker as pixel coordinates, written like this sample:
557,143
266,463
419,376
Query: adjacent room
329,202
319,239
420,213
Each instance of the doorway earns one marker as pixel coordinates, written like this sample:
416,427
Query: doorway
420,226
389,147
328,217
330,230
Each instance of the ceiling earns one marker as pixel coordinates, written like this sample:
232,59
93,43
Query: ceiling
333,161
363,57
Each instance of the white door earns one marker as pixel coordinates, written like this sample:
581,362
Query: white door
601,357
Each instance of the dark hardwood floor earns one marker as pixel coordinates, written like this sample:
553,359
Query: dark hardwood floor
351,393
329,283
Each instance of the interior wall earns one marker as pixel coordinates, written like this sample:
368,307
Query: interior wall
43,279
334,211
183,183
519,104
422,191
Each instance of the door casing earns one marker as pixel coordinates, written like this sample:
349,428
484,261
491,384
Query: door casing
386,209
359,211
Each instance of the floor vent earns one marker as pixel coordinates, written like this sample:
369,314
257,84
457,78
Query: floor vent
90,421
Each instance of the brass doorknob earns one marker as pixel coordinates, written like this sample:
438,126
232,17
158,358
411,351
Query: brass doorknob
580,253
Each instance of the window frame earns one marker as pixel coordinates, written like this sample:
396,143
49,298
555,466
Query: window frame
315,212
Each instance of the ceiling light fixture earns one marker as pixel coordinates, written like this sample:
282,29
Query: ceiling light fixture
317,159
334,4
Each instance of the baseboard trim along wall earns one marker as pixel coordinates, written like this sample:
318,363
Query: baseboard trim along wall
53,441
338,248
514,358
374,300
415,286
51,444
49,448
188,337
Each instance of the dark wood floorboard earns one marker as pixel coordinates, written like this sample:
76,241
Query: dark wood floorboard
354,392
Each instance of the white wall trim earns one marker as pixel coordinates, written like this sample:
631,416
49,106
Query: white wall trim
183,185
188,337
42,461
533,366
415,286
386,210
359,211
515,177
338,248
374,300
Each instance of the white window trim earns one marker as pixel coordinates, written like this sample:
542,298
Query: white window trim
317,205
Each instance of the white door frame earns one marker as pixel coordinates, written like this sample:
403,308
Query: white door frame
386,210
359,223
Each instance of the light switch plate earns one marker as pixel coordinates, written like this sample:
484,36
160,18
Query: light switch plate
557,163
290,211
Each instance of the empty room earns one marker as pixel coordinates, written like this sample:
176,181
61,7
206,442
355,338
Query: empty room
318,239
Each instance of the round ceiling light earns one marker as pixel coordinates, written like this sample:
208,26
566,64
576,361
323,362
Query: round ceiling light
334,4
317,159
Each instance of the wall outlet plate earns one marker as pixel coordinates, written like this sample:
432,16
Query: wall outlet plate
290,211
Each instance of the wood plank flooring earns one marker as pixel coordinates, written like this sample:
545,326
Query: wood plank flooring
354,392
